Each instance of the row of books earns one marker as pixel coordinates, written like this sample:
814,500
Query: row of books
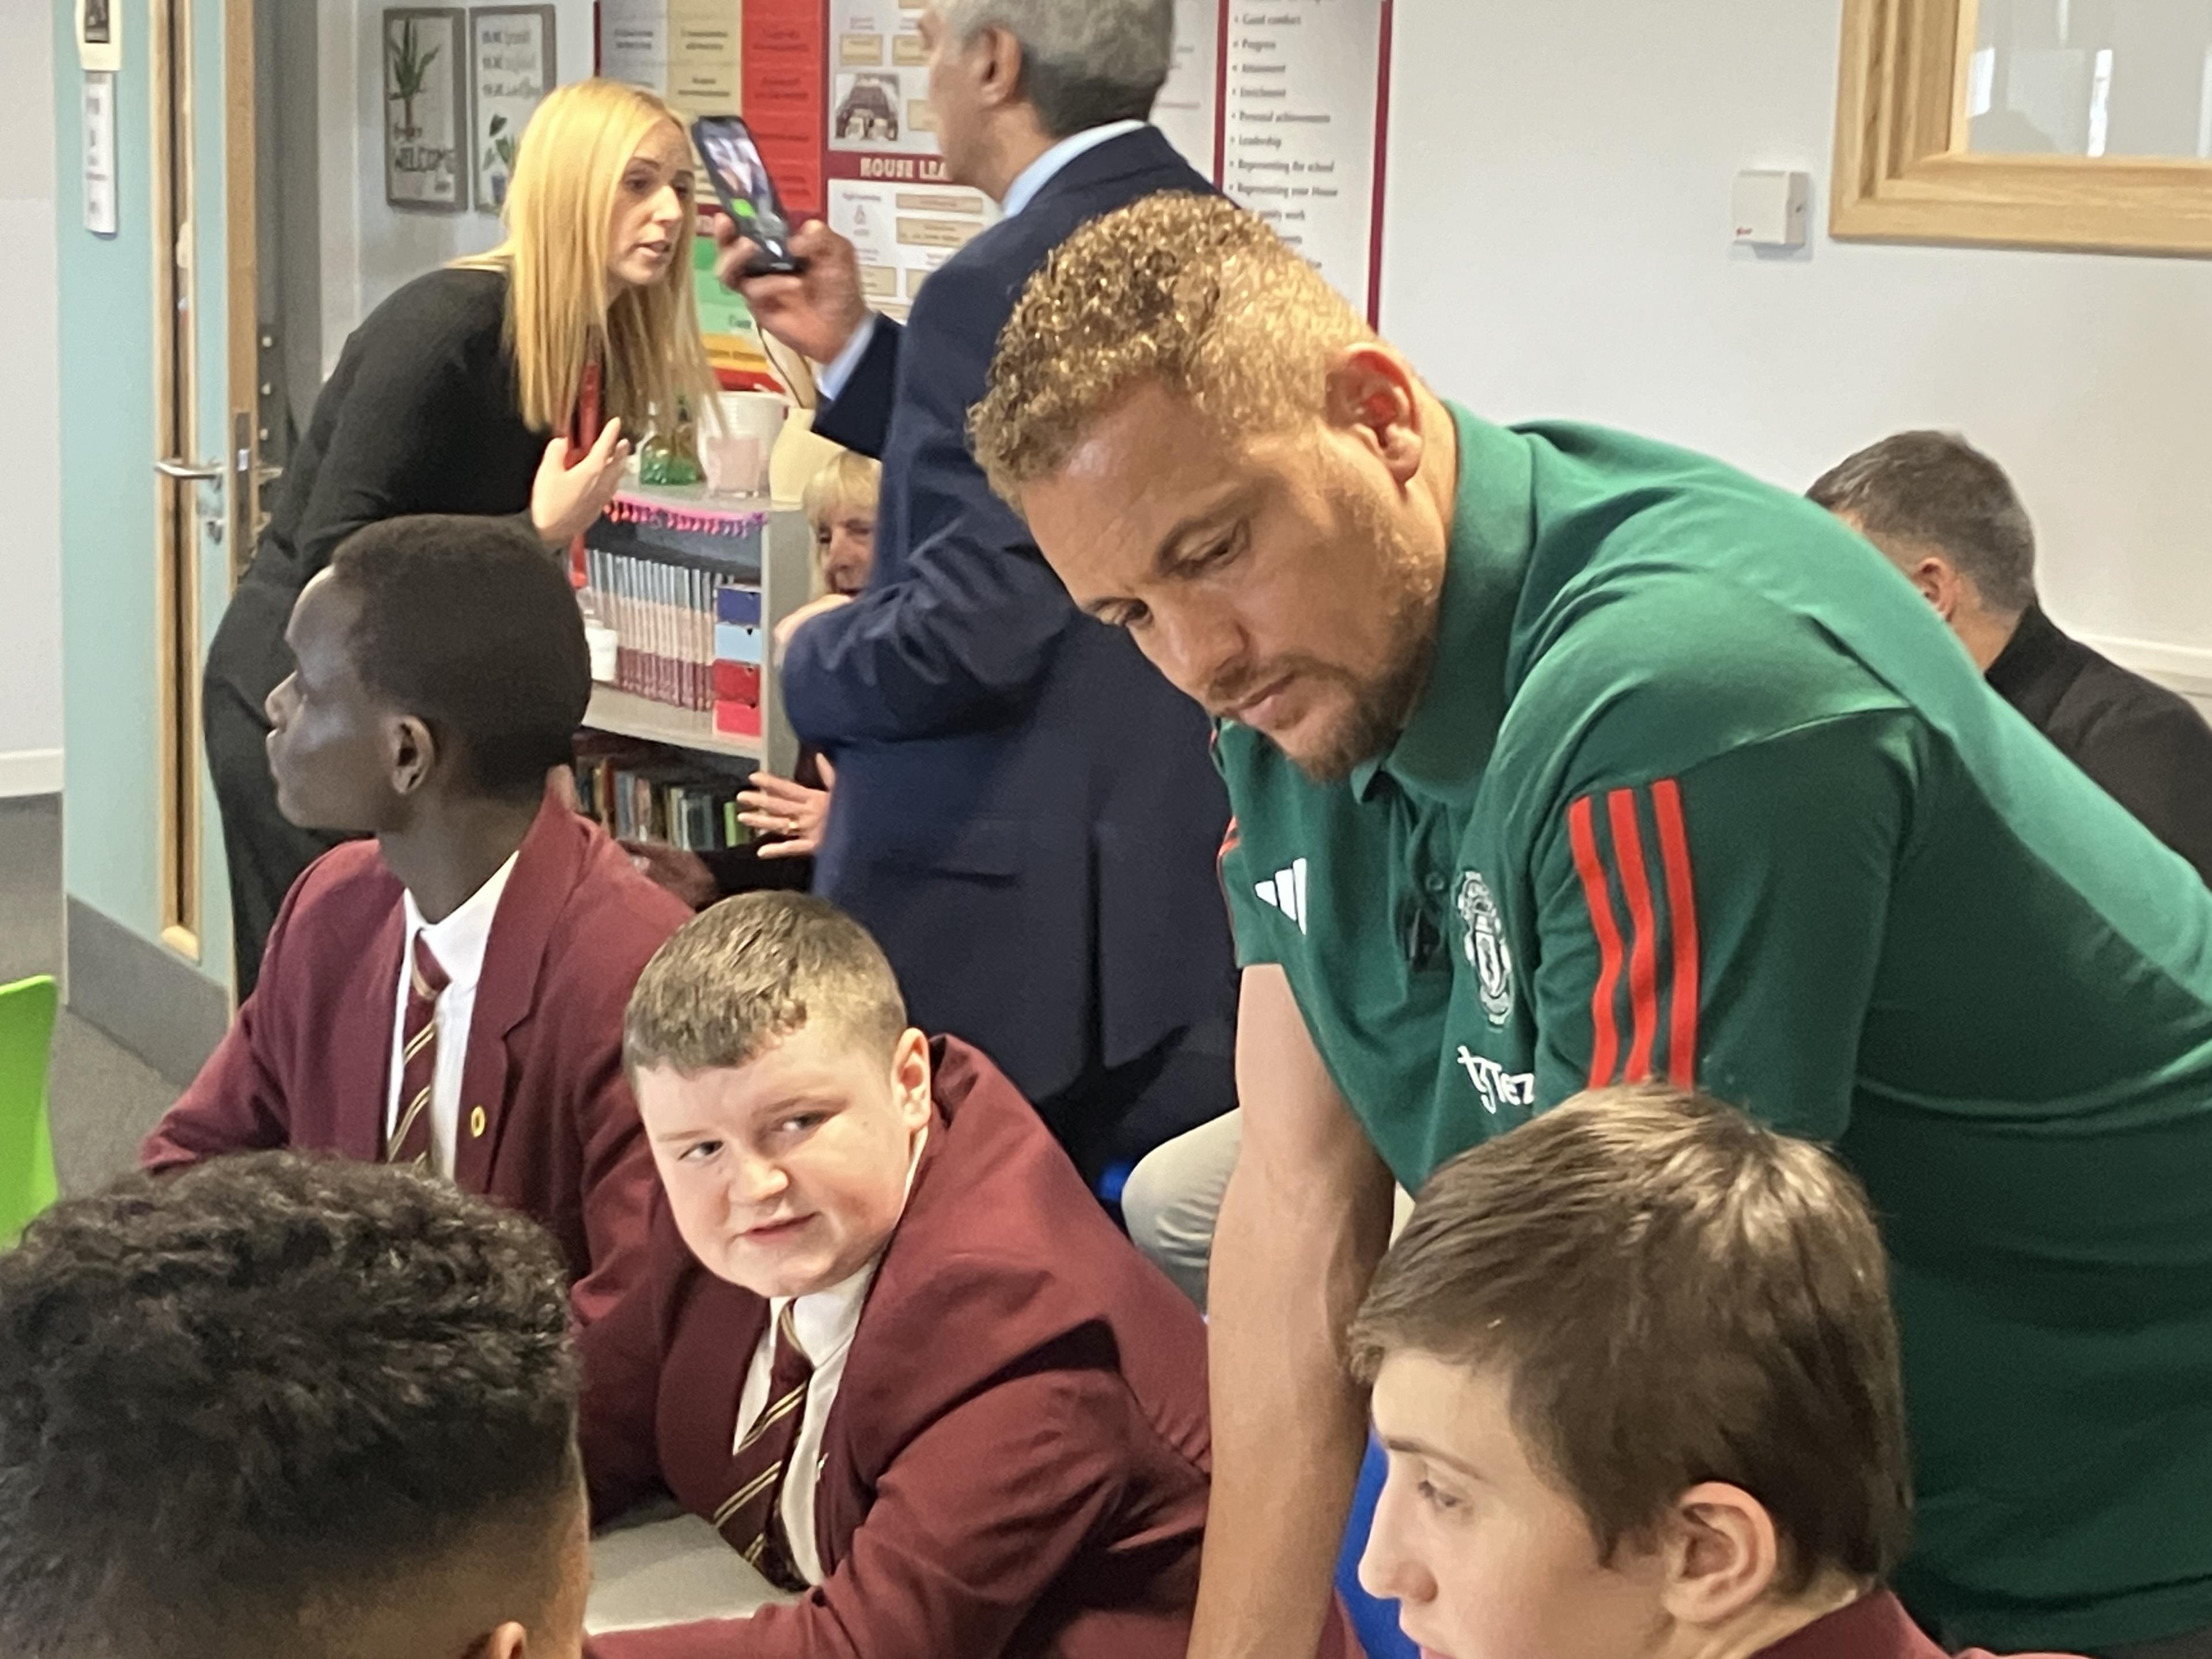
640,792
686,637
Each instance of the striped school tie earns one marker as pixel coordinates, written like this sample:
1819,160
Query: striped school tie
750,1518
409,1140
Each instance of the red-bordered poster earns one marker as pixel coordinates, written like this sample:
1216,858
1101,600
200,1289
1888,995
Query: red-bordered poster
785,66
1284,104
887,187
1305,89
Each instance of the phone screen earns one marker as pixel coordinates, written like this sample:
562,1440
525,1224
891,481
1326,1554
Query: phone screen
747,193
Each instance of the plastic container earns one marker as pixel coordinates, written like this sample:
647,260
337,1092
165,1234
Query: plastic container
737,458
603,643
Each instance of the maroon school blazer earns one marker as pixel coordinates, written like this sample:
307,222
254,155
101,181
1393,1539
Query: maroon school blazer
1875,1626
548,1125
1016,1462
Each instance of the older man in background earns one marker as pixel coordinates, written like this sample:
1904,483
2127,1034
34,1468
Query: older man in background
1946,515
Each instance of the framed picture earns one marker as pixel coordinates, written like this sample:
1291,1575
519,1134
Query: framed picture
512,68
98,36
425,129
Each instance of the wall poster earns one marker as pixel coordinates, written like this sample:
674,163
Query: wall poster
511,56
632,43
1284,104
425,137
887,188
785,90
705,51
1305,111
100,216
1189,108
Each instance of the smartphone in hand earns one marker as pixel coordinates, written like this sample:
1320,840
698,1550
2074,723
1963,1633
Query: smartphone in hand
747,193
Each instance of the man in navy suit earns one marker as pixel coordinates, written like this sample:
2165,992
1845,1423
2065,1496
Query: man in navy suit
1027,818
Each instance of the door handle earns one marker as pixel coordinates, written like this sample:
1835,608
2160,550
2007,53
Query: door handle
175,466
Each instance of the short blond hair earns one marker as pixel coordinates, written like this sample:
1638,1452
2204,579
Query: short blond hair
1189,293
846,481
735,980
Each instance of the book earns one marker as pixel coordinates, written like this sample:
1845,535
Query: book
647,792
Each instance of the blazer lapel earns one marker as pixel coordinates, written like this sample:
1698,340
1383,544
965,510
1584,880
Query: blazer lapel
748,1323
545,873
710,1333
843,1490
361,1135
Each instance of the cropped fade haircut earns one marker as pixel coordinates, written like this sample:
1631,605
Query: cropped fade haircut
1084,63
274,1405
471,626
1673,1294
1933,492
736,980
1189,293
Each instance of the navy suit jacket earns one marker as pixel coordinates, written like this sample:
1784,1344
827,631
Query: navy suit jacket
1027,815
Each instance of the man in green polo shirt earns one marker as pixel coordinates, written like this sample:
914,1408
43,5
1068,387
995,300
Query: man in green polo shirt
1562,757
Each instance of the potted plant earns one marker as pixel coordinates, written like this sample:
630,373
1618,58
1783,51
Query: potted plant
410,71
500,160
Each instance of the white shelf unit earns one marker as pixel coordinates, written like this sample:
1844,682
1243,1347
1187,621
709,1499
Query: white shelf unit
629,715
786,583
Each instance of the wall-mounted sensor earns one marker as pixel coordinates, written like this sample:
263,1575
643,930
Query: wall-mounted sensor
1771,209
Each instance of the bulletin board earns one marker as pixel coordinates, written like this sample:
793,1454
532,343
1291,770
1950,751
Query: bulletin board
1284,104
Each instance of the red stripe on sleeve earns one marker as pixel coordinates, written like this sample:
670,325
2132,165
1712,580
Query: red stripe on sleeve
1682,923
1605,1039
1643,947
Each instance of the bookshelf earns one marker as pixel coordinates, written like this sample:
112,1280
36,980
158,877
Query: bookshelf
784,554
627,716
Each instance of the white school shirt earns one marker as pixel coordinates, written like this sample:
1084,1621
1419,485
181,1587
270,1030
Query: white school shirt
826,1321
459,944
829,378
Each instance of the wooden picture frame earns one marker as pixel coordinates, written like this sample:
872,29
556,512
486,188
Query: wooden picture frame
513,62
1903,173
425,109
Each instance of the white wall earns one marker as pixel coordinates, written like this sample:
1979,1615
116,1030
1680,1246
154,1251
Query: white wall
1558,246
30,413
369,247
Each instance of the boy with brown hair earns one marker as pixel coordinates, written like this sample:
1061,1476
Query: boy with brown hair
1636,1371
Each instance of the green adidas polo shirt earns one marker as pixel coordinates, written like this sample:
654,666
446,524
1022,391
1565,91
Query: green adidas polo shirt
1701,789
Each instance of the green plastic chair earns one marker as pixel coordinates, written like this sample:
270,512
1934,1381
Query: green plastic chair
26,1145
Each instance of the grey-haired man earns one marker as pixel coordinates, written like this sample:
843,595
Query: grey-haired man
1027,817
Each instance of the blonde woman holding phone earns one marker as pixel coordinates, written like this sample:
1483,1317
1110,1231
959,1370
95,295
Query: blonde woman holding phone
502,385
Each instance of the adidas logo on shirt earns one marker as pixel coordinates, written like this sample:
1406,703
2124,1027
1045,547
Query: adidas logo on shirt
1287,892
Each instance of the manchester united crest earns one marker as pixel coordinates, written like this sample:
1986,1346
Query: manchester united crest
1484,942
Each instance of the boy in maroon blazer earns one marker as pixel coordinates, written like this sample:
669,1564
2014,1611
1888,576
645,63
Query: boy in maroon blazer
1636,1370
450,994
888,1343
